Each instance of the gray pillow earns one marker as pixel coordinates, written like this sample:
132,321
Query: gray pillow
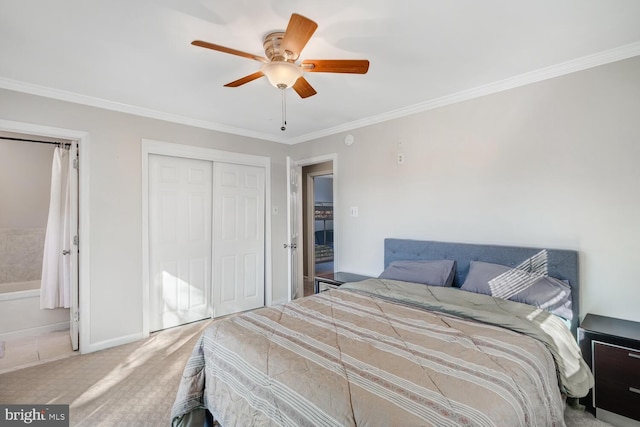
504,282
428,272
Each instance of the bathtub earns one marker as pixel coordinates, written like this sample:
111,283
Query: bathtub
20,313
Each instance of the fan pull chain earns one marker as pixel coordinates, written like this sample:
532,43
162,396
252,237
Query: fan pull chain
284,111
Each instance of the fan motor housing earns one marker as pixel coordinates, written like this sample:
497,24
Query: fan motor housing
272,50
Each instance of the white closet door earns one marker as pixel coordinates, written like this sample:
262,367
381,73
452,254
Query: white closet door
294,229
238,242
180,197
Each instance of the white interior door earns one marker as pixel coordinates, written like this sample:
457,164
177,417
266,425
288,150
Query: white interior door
239,236
73,223
294,229
180,211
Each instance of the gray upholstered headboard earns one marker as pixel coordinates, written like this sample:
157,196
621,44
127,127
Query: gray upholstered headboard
562,264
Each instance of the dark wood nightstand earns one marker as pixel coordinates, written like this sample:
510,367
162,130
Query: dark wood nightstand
611,348
324,282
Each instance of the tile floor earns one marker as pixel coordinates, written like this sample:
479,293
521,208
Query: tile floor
29,351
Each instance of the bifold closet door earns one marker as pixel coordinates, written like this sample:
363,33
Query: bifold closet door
239,238
180,245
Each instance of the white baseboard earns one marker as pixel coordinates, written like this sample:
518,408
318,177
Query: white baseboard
114,342
54,327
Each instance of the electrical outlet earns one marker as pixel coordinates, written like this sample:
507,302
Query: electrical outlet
354,211
400,158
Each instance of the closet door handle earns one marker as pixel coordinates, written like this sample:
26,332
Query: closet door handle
634,355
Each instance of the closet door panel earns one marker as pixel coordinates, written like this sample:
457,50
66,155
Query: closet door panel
180,221
239,235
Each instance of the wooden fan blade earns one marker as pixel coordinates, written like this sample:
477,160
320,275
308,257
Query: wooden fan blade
352,66
298,32
219,48
303,88
245,79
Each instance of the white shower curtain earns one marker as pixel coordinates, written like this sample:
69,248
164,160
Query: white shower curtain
56,267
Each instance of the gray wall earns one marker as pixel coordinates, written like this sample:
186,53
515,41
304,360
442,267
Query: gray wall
552,164
25,181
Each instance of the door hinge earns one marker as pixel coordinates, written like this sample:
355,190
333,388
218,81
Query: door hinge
76,163
76,316
76,241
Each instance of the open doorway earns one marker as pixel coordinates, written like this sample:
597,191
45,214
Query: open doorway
318,221
322,225
38,321
78,328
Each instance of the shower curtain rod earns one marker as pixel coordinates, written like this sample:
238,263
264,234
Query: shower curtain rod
60,143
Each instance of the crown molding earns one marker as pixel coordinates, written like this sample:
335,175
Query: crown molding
568,67
77,98
579,64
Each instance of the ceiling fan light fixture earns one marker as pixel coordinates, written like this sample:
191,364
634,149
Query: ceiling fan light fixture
281,74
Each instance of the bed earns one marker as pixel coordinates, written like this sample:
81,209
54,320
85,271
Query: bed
394,351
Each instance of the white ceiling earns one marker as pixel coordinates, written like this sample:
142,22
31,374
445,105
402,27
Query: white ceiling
135,55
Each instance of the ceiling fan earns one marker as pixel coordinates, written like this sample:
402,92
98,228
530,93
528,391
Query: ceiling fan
282,50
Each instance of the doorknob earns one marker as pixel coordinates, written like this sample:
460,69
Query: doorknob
66,252
292,246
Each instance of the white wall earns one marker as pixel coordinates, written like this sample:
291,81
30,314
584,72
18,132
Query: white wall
115,313
552,164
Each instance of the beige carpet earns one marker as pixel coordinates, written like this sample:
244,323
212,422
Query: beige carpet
130,385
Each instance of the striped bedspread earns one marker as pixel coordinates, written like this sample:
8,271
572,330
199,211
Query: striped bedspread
348,357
